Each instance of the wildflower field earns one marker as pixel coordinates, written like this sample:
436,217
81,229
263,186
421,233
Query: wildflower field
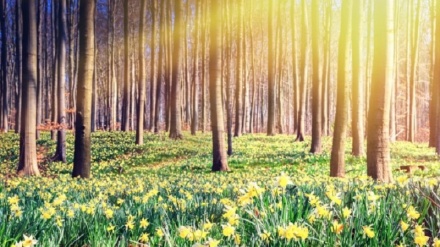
163,194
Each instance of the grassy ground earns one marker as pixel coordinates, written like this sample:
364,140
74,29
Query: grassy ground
163,194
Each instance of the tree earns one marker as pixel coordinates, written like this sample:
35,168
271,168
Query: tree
3,74
219,156
301,84
437,77
82,153
271,75
27,165
239,70
175,123
378,148
196,70
415,37
126,90
162,36
60,154
153,62
142,79
357,84
316,98
337,162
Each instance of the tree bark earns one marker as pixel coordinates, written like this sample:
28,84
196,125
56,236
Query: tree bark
27,165
239,70
126,91
378,149
316,90
357,84
219,157
82,153
271,74
142,79
337,162
60,153
176,119
4,125
153,64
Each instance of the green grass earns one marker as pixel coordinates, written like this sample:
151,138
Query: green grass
277,194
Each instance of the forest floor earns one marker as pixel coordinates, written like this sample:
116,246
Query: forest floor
164,194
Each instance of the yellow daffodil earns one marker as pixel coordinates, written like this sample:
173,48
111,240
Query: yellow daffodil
144,223
404,225
412,213
144,238
228,230
368,231
337,227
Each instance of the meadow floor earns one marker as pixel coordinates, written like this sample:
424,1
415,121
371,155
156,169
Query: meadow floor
164,194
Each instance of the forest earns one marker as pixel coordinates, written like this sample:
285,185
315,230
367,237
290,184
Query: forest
219,123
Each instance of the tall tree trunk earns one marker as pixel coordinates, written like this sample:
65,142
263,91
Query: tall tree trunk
114,84
337,162
60,154
437,76
316,93
54,113
239,70
82,153
153,62
4,125
414,73
378,149
219,157
176,119
271,74
161,62
27,165
326,70
228,75
295,69
142,78
303,75
18,57
433,83
196,70
126,91
357,84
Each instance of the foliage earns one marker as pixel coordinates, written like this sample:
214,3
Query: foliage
163,194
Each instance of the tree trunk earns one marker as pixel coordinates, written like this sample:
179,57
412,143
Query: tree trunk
437,77
126,92
271,75
433,83
316,90
196,70
378,149
4,125
303,76
326,70
357,84
239,70
60,154
413,76
219,161
114,84
153,62
19,89
161,62
27,165
176,119
142,78
82,153
337,162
